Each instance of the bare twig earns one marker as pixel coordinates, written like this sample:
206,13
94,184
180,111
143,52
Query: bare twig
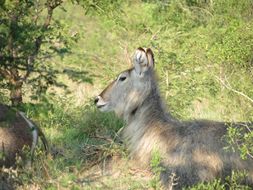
229,87
250,155
103,138
246,126
124,47
5,74
203,10
154,36
173,181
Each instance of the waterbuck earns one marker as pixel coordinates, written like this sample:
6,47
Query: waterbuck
16,132
193,151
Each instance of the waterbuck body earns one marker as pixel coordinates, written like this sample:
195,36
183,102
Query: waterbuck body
193,151
17,132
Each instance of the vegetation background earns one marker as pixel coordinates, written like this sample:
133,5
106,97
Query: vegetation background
204,59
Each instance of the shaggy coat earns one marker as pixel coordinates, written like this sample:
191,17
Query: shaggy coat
16,131
193,151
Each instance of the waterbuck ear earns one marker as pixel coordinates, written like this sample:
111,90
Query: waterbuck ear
143,60
151,59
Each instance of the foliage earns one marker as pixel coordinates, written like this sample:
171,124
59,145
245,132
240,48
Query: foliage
156,168
30,37
216,184
232,182
241,138
100,7
25,27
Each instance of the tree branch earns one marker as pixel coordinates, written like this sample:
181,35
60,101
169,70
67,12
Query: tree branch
51,5
228,86
13,73
5,74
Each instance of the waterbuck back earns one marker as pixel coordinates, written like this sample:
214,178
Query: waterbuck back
16,133
192,150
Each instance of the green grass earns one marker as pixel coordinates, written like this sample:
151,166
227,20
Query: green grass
197,45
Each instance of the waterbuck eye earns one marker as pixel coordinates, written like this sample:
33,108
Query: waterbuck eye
122,78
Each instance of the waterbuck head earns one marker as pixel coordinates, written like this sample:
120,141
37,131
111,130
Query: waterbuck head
132,86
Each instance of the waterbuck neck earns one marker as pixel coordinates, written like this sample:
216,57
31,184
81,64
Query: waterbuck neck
152,109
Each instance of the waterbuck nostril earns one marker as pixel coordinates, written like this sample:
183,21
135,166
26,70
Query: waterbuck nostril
96,100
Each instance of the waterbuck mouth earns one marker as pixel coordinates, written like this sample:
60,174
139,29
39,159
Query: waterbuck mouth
99,102
100,106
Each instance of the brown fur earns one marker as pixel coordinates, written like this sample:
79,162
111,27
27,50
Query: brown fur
15,133
193,150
